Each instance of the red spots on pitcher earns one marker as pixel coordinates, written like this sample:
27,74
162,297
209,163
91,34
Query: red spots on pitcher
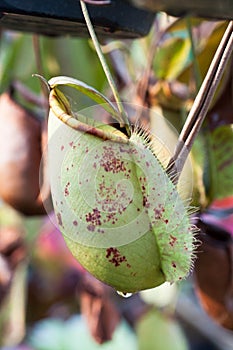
66,191
93,218
59,219
114,256
145,202
128,150
172,240
159,212
107,192
112,218
112,198
110,162
100,230
174,264
186,248
91,228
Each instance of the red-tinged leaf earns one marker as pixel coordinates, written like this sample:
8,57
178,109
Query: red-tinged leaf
223,203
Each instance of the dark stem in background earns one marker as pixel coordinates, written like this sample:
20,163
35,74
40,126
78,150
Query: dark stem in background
39,65
98,2
201,103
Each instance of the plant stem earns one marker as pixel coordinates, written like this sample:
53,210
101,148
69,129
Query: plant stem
202,103
123,117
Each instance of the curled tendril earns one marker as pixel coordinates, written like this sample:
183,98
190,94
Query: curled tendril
97,2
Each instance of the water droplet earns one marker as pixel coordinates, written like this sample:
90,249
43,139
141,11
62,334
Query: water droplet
124,295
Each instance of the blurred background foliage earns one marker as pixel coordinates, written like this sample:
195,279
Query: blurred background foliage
47,301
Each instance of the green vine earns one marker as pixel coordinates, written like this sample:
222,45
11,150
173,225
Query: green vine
123,119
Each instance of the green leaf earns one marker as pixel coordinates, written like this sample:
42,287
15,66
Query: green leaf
9,51
157,331
87,90
82,60
171,58
220,155
55,334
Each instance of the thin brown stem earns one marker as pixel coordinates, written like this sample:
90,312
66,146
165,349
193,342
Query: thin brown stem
143,84
202,103
157,37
